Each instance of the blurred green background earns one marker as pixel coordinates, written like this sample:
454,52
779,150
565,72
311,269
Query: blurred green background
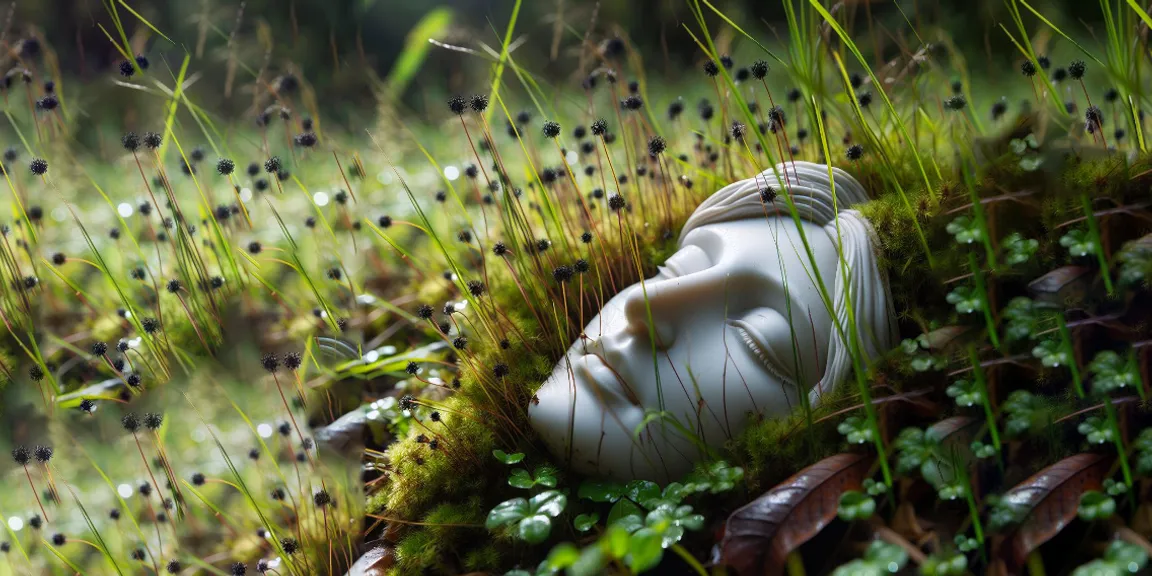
347,49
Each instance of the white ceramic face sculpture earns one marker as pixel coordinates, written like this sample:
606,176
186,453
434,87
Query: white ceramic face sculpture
741,330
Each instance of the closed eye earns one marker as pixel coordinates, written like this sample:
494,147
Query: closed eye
767,334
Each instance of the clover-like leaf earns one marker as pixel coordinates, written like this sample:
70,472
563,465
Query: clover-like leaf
926,362
533,517
965,543
965,299
910,346
855,505
1135,263
856,429
1143,445
874,488
615,541
642,490
1022,408
585,522
1003,512
1018,249
965,393
1114,488
965,230
562,556
1078,242
645,549
881,558
1096,430
1131,556
1111,372
1019,147
1031,163
535,528
1051,353
953,490
713,477
591,562
545,476
520,478
506,513
622,511
674,492
913,449
600,490
982,450
1120,559
506,458
1095,505
1021,318
955,564
551,503
669,515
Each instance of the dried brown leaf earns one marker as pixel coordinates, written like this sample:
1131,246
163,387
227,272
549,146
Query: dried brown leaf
759,536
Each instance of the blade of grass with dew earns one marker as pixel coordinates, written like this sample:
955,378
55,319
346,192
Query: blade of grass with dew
412,56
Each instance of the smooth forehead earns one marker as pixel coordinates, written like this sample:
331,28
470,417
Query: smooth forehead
756,239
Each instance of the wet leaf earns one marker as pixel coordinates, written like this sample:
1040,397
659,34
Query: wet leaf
585,522
1045,503
759,536
1078,243
965,299
600,490
508,458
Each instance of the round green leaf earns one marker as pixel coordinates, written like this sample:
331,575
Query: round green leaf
645,549
551,503
535,529
585,522
521,479
616,541
642,490
506,513
600,490
562,556
508,458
